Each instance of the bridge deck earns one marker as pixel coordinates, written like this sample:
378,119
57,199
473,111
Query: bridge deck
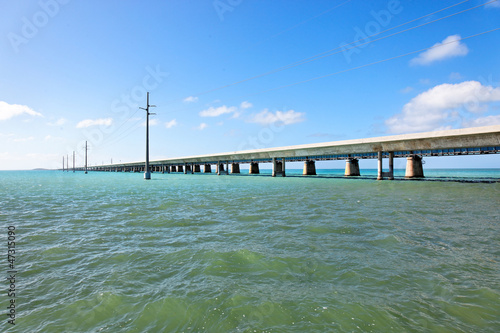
479,140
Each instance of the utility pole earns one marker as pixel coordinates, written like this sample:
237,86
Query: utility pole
147,174
73,161
85,157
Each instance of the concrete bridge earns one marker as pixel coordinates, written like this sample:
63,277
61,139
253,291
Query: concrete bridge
468,141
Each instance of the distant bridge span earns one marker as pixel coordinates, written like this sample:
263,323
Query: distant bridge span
467,141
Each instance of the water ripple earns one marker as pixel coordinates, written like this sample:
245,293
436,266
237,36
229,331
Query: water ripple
111,252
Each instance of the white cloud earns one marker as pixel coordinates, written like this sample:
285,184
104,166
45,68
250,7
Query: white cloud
30,138
283,117
171,123
437,107
234,110
215,112
8,111
245,105
95,122
449,47
483,121
191,99
58,122
202,126
152,122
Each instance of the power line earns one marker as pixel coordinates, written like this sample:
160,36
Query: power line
127,131
328,53
394,34
375,63
135,126
123,123
305,21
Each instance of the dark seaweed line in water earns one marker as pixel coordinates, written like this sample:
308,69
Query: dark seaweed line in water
483,180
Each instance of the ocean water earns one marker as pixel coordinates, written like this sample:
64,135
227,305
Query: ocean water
111,252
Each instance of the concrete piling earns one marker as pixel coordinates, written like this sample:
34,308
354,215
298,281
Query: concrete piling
390,174
278,167
254,168
414,167
235,168
381,174
220,169
379,164
352,167
309,168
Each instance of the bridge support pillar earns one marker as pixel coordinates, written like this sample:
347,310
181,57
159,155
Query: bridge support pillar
254,168
380,171
351,167
381,174
390,174
180,168
235,168
414,167
207,168
187,169
173,168
309,168
196,168
220,169
279,167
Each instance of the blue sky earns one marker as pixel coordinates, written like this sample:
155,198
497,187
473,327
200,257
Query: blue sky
76,71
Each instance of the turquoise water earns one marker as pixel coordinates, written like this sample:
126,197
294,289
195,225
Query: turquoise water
111,252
